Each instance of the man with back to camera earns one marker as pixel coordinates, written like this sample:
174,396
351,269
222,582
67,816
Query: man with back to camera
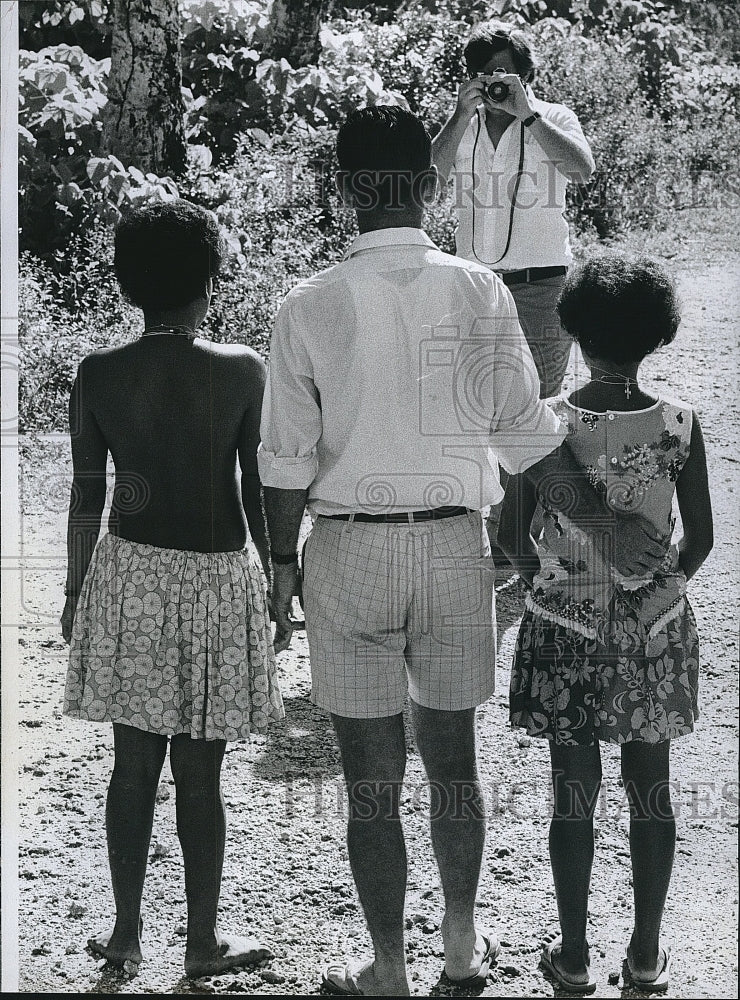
512,156
366,418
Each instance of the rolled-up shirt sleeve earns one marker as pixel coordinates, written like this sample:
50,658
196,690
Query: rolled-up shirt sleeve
524,429
290,427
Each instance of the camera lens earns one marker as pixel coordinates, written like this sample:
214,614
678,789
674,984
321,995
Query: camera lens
498,91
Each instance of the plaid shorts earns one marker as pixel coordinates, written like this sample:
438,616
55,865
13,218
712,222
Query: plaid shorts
397,607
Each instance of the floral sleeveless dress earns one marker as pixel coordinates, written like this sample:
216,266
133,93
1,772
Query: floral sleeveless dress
600,656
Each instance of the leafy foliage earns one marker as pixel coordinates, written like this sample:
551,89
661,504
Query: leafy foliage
652,82
63,183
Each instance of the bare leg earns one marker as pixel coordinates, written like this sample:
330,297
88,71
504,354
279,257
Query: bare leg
645,771
129,815
201,828
446,742
374,760
576,777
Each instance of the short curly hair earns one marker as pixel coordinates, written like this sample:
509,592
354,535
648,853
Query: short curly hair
164,253
618,307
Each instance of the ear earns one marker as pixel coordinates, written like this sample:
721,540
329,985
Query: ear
341,182
430,186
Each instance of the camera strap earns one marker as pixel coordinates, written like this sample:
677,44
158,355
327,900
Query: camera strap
513,199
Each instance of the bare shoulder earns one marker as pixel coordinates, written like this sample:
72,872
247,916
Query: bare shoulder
238,360
99,363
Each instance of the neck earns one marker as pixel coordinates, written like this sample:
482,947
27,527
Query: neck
497,118
367,222
188,317
601,369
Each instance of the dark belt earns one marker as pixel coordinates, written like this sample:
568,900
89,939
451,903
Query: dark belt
530,274
407,517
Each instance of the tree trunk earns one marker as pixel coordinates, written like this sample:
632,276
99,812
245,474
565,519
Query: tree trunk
293,32
143,119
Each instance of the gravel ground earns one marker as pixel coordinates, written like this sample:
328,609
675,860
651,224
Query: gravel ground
286,875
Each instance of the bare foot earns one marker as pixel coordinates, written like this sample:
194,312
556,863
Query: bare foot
123,951
228,952
364,980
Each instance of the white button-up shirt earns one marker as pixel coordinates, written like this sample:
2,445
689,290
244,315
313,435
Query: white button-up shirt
485,179
398,379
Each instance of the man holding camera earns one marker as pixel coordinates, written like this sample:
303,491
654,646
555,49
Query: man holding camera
512,155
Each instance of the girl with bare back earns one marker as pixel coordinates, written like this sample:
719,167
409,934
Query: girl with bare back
167,613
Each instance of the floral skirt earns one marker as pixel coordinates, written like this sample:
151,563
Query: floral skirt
171,641
627,687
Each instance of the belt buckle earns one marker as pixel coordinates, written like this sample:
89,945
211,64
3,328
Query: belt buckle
526,274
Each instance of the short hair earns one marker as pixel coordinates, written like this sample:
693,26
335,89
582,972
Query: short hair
496,36
383,151
618,307
164,253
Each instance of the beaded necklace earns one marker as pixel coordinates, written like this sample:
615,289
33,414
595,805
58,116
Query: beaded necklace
613,378
177,331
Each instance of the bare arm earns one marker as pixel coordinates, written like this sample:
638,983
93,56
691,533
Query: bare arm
284,509
287,459
561,484
695,505
514,534
249,440
444,145
87,499
569,152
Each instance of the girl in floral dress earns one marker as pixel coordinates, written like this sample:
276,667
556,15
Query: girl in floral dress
601,657
167,613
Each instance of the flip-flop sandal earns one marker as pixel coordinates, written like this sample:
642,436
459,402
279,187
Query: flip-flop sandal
657,985
339,980
493,950
548,966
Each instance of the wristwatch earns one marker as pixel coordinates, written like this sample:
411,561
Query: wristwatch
283,558
532,118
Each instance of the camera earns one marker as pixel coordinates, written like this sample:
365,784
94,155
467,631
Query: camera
461,370
496,90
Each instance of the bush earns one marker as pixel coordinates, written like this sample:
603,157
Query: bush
64,185
61,93
645,161
658,107
282,222
61,320
419,55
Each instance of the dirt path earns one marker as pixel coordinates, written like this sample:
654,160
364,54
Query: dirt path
286,872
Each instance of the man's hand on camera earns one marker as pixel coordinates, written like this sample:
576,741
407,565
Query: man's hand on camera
470,95
516,102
